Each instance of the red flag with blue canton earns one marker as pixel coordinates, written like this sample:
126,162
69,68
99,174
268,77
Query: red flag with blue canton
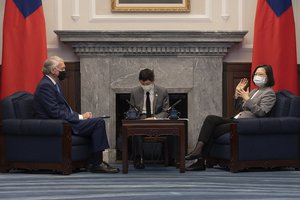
24,46
275,42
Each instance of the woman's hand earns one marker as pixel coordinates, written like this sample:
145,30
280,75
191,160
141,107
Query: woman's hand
241,86
244,94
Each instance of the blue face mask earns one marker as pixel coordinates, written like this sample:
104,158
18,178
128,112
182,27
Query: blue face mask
259,81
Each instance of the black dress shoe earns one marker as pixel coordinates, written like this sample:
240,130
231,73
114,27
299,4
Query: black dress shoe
103,168
138,163
192,156
197,166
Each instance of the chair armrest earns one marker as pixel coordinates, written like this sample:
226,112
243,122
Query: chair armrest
268,125
36,127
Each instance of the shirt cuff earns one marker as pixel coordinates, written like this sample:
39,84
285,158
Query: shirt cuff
80,117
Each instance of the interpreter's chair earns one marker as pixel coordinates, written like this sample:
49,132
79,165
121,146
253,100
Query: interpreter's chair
268,142
38,144
161,140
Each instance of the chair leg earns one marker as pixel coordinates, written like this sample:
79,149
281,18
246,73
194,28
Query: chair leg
166,151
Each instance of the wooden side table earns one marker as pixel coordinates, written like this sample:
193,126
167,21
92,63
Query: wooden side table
154,128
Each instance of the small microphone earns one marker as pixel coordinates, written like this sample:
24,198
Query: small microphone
137,109
177,102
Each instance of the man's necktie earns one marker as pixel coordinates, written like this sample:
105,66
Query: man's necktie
148,106
57,87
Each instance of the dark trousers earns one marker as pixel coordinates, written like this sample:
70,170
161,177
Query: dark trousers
95,129
212,128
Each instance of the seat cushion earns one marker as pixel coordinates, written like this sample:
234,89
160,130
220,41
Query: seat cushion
77,140
41,128
223,139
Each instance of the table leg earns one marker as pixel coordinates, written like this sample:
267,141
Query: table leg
125,151
182,151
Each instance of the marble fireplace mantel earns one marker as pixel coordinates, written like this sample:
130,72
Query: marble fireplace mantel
151,43
183,61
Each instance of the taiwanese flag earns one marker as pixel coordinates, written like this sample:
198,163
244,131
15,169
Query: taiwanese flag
275,42
24,46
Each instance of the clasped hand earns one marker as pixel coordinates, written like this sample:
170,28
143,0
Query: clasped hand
150,118
240,89
87,115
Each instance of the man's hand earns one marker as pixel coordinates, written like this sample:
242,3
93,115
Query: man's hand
150,118
87,115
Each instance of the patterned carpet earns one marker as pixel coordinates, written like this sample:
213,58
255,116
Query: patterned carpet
154,182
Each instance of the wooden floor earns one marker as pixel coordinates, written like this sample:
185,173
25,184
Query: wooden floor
154,182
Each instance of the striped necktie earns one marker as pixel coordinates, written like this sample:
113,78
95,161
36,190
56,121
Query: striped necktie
57,87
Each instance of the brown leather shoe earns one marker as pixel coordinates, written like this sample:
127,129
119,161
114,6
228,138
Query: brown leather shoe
103,168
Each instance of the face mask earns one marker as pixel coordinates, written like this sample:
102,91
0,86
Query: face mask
259,80
62,75
147,88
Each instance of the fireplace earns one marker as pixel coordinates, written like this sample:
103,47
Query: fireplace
189,62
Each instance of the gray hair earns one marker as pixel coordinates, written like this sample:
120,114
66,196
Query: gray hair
51,63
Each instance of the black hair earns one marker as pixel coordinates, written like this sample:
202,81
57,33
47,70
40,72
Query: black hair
269,72
146,75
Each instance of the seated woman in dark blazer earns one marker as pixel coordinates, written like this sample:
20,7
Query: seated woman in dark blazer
257,103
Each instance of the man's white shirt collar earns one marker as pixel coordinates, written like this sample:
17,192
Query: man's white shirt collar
52,80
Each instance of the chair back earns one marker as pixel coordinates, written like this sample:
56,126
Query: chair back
295,106
287,105
18,105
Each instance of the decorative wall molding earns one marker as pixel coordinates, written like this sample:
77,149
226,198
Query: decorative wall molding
225,14
151,50
59,11
241,14
75,8
208,9
182,17
151,43
59,16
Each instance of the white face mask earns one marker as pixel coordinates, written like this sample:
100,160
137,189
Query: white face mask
147,88
260,81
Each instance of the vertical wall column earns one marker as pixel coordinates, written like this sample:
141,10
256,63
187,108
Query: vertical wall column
206,96
96,95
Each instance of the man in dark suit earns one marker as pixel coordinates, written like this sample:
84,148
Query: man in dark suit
50,103
152,101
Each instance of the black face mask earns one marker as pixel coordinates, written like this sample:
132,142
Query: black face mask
62,75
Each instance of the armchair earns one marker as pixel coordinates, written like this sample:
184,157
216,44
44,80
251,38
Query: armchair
35,144
268,142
